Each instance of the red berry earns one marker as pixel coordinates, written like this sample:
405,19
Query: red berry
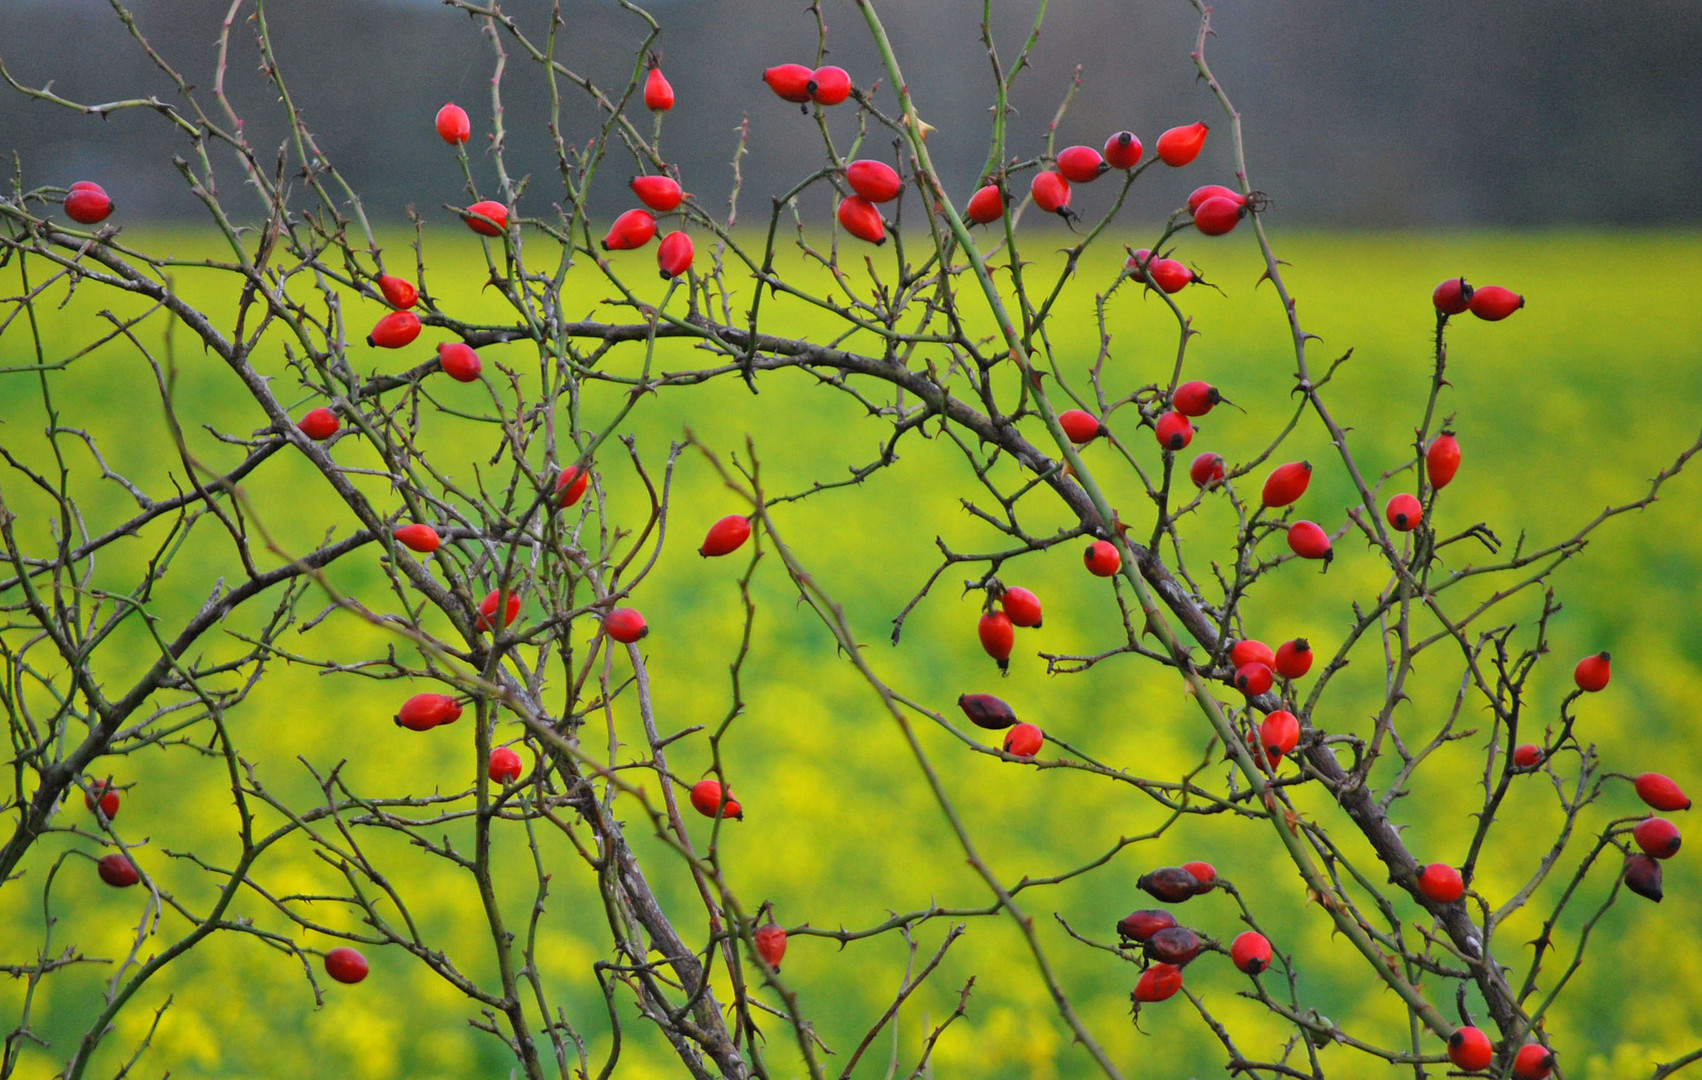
726,536
986,206
790,81
1279,734
1170,275
829,85
453,126
1170,884
1206,470
1470,1049
625,625
1404,512
495,211
1158,982
1250,952
1214,191
1441,883
395,330
420,538
658,94
632,229
118,871
108,799
770,944
1643,877
1533,1062
1024,740
1102,558
1022,606
1658,837
1442,459
707,796
1308,540
659,193
1287,483
986,711
422,712
345,965
860,218
1253,679
1204,873
1051,192
1173,945
1082,427
875,181
1492,303
1294,658
398,292
1219,215
1142,925
1527,756
505,766
1123,150
1195,398
1592,672
997,637
571,485
1661,793
1452,297
1081,164
1251,652
319,425
1181,145
675,254
487,610
87,203
459,361
1173,431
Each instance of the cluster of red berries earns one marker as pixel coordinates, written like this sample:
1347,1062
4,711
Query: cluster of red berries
1490,303
1022,740
1168,946
1050,188
997,628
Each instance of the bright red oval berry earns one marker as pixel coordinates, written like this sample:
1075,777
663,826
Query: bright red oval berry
770,944
1308,540
986,206
1206,470
659,193
1021,606
1081,164
1195,398
726,536
658,93
674,255
395,330
453,125
1661,793
1142,925
104,796
1533,1062
1658,837
1204,873
504,766
790,81
1470,1049
87,203
1024,740
997,637
118,871
1250,952
1279,734
1593,672
829,85
1253,679
422,712
1173,431
1293,658
1441,883
459,361
1051,192
632,229
1251,651
1102,558
487,610
1492,303
986,711
1123,150
346,965
319,425
1181,145
1170,275
1217,216
1643,877
1214,191
1404,512
495,211
708,797
420,538
860,218
1287,483
1158,983
875,181
571,485
398,292
1442,459
1452,297
1082,427
625,625
1527,755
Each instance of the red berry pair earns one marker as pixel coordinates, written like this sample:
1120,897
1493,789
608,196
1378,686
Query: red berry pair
798,84
1491,303
422,712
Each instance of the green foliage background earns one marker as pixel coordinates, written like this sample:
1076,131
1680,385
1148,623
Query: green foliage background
1563,409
